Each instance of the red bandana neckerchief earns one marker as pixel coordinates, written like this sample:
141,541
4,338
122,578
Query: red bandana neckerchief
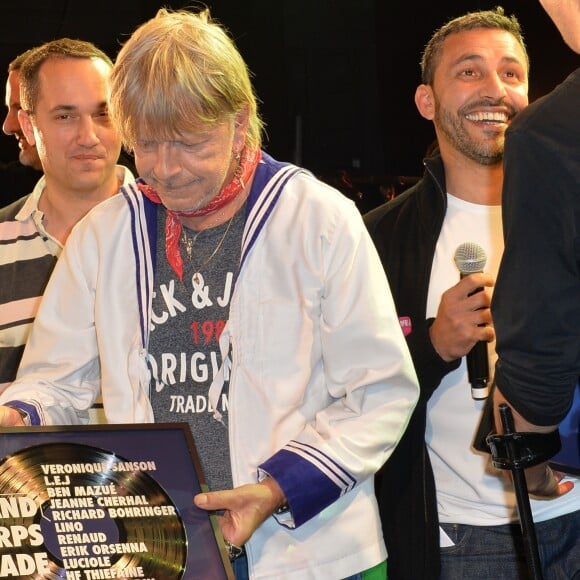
249,159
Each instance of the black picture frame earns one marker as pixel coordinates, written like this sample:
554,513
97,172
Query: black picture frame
113,497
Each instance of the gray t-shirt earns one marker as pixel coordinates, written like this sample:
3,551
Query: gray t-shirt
188,318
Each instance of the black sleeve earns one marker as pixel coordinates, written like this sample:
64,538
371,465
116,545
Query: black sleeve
536,303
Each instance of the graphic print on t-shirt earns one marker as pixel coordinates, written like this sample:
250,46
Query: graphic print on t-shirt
187,320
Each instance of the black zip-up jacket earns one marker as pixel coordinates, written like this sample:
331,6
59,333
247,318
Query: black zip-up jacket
405,232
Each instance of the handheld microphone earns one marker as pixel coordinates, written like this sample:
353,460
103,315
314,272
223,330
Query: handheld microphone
469,259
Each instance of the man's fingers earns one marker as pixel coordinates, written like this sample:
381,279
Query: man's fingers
551,487
214,500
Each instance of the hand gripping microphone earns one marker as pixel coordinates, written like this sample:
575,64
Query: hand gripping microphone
470,258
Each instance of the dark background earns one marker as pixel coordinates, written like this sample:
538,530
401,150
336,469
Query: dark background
336,78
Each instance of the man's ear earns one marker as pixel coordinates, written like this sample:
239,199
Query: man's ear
425,101
26,126
241,122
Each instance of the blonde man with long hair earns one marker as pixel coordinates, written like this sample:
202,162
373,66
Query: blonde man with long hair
239,294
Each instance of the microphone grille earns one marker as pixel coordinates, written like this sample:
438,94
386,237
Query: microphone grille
469,258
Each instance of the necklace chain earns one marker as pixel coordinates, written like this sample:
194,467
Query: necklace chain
189,242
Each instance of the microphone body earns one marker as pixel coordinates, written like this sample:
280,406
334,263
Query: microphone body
469,259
